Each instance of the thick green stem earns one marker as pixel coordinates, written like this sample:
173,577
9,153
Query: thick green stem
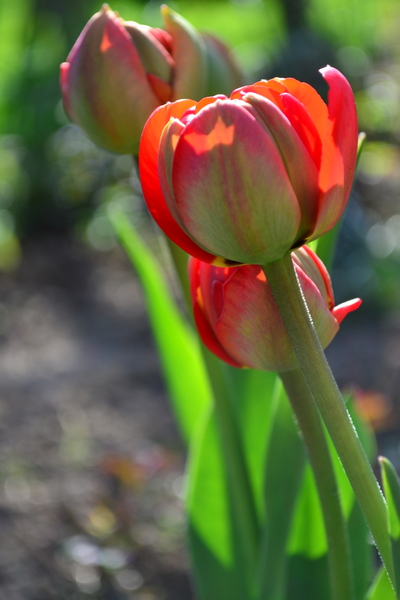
313,434
295,315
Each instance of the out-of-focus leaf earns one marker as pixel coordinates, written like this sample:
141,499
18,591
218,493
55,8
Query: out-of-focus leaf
308,538
283,470
362,551
363,428
216,558
381,589
308,579
253,394
178,345
391,487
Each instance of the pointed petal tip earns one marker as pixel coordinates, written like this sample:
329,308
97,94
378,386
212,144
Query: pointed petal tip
342,310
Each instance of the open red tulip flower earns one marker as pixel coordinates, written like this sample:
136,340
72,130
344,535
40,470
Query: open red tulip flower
237,317
247,179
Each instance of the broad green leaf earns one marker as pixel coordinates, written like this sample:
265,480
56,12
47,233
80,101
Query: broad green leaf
308,579
253,396
284,465
362,551
381,589
216,560
391,487
308,538
178,345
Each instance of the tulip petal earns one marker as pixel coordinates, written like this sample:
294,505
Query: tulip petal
206,332
231,188
262,88
342,310
148,167
339,153
311,100
64,85
250,327
168,141
104,53
298,162
155,58
313,266
223,73
189,54
161,89
302,122
324,321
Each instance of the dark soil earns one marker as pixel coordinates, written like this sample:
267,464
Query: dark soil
91,462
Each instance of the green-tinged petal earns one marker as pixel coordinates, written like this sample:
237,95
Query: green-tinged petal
231,187
190,56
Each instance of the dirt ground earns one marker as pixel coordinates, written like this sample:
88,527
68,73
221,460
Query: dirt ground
91,462
92,465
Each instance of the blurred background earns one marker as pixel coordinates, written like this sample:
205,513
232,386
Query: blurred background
91,474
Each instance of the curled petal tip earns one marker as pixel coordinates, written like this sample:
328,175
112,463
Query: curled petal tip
342,310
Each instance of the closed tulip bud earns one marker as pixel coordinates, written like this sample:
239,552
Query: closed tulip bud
119,72
247,179
237,317
105,86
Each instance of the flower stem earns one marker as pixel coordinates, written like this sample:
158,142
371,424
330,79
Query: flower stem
295,315
314,438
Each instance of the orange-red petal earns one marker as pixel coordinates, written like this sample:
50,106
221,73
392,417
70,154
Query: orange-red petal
149,176
339,151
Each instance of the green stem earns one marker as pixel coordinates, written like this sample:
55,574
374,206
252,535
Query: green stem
313,433
237,474
295,315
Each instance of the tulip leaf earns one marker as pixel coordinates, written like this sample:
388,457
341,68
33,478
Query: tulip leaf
381,588
362,552
391,487
284,465
308,579
253,394
178,345
216,560
308,538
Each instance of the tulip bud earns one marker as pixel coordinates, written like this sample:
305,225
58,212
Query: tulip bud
247,179
224,74
118,72
105,86
237,317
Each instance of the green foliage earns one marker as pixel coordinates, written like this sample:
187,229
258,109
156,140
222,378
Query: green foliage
177,343
381,589
391,486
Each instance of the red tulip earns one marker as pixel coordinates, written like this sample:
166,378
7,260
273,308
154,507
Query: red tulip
118,72
246,179
238,319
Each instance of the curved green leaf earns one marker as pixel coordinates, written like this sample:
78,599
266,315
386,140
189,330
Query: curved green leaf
177,343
